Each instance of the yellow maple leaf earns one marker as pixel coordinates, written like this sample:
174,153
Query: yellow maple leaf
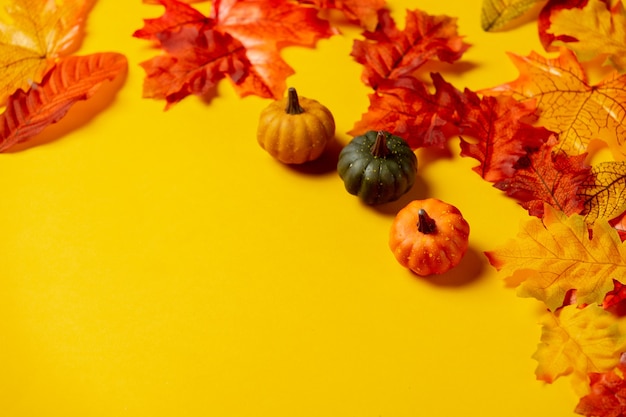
34,32
576,341
496,14
556,254
604,191
597,30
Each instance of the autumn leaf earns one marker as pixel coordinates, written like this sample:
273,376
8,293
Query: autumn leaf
422,118
32,34
591,31
240,40
362,12
578,341
604,191
567,104
389,54
496,14
72,79
607,395
544,20
547,176
557,254
499,134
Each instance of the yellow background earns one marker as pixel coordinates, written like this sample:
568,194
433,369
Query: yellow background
162,264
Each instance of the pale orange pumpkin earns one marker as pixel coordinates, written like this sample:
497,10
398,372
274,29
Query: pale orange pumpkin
429,236
295,129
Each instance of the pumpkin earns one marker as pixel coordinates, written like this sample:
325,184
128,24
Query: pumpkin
429,236
378,167
295,129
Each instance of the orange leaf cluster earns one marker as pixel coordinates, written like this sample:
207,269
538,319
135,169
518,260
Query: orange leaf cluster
41,78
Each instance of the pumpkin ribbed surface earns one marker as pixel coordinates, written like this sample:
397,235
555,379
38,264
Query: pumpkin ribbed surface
295,138
434,252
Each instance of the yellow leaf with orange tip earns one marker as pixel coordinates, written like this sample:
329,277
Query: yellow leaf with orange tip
32,34
596,30
556,254
576,341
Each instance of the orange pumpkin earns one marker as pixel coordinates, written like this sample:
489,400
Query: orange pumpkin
429,236
295,129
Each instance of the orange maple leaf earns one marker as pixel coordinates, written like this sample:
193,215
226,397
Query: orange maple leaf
604,191
240,40
32,34
577,341
567,104
557,254
72,79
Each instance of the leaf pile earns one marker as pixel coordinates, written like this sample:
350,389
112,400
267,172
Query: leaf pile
41,78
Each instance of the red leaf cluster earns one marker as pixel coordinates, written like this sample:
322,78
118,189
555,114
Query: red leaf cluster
239,40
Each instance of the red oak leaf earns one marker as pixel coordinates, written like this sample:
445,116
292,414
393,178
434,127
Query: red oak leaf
362,12
499,134
615,300
72,79
389,53
547,176
241,40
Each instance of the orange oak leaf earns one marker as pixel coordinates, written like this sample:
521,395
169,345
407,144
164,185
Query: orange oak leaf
547,176
32,34
567,104
578,341
604,191
389,53
557,254
362,12
240,40
72,79
595,29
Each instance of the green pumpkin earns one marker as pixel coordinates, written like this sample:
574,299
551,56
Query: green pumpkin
378,167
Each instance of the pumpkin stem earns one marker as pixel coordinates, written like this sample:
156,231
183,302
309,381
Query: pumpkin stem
379,148
425,223
293,104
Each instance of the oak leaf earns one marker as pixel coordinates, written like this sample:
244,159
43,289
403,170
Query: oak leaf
32,34
72,79
567,104
604,191
557,254
240,40
388,53
496,14
362,12
578,341
547,176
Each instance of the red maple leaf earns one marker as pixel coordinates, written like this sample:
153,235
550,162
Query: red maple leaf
547,176
607,396
389,53
496,132
409,110
240,40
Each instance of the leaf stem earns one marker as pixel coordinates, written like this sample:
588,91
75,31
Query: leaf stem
425,223
293,104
